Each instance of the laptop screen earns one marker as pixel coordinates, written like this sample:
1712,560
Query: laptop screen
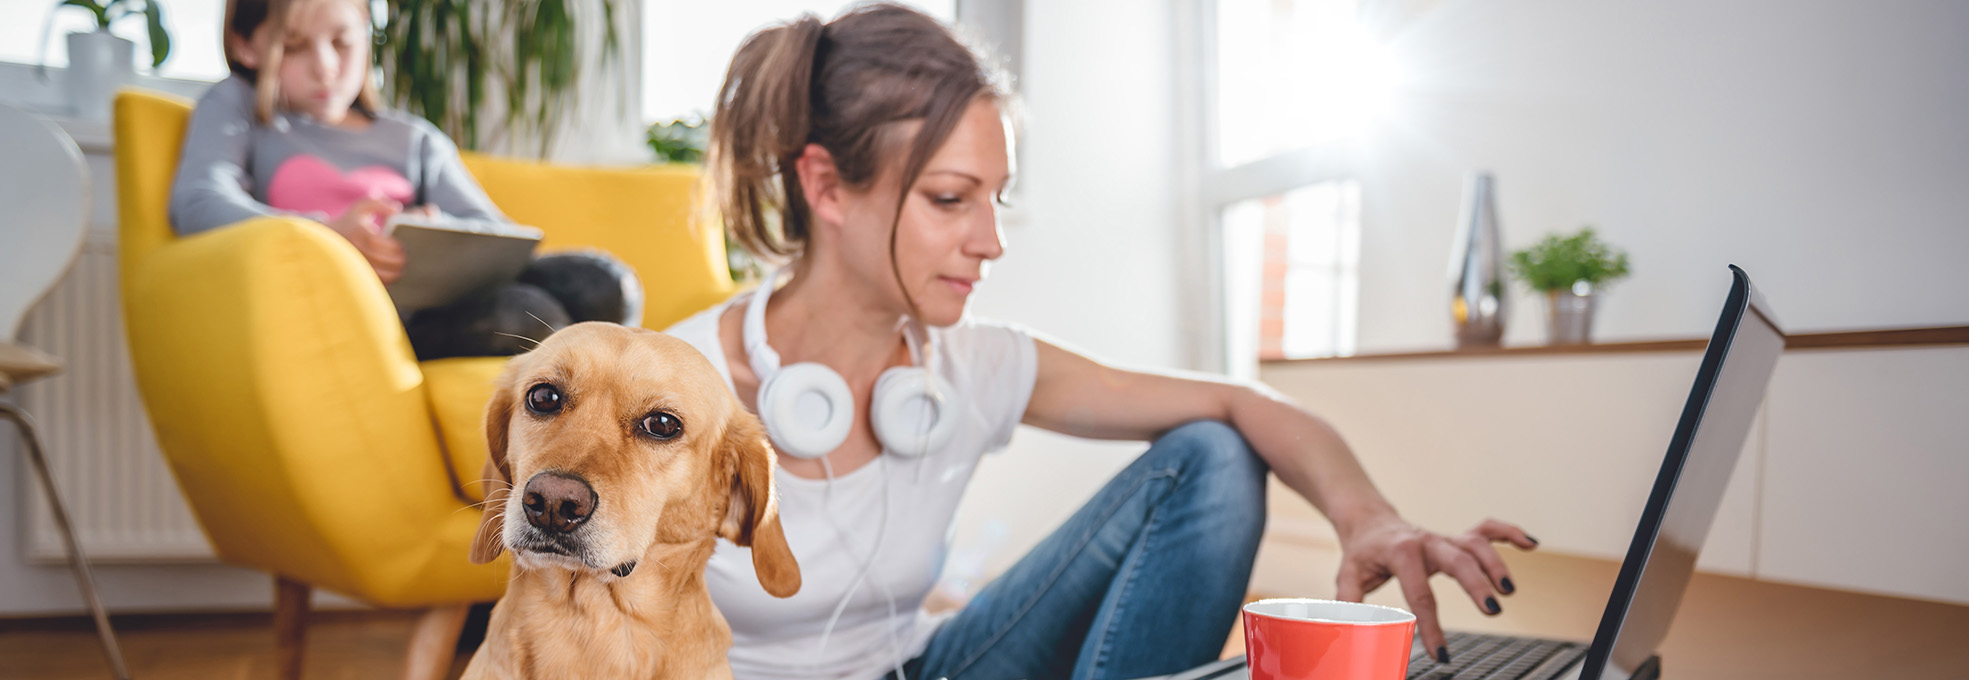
1715,422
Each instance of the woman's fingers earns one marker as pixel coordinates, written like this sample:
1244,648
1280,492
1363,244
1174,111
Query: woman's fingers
1459,564
1350,586
1355,581
1487,557
1414,576
1494,530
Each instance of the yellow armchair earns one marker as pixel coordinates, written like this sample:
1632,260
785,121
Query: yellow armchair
282,389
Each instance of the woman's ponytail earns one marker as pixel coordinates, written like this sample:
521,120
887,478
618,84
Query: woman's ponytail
762,122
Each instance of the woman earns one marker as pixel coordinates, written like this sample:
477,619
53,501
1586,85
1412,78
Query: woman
867,154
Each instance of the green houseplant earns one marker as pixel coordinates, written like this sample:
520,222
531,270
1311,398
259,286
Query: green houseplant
1570,271
446,59
679,141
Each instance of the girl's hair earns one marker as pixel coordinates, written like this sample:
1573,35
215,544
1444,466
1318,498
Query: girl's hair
243,17
846,85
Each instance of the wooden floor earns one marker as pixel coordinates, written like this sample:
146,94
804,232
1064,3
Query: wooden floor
1727,628
350,645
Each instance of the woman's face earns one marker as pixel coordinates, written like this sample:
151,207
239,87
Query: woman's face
949,225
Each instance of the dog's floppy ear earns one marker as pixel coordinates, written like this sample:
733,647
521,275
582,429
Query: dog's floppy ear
497,475
752,515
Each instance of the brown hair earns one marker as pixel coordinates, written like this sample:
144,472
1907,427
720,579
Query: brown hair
844,85
243,17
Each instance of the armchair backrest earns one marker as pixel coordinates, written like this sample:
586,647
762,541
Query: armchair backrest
150,134
642,215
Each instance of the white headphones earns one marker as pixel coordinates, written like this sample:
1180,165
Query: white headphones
808,409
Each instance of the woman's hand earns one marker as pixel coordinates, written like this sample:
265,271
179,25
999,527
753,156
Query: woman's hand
362,225
1388,547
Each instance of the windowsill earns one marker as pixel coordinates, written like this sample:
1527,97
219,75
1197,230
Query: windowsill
24,89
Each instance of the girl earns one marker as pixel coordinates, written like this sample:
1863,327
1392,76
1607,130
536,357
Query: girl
299,130
867,154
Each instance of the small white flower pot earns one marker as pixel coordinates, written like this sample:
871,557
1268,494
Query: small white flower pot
99,64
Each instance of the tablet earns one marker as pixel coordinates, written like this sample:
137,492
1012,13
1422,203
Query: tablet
448,258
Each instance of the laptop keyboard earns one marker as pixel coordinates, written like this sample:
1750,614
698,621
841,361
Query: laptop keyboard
1475,656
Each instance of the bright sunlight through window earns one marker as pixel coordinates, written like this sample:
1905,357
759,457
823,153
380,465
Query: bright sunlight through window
1295,73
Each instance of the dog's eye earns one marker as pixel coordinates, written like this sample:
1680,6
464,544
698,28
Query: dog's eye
543,399
661,425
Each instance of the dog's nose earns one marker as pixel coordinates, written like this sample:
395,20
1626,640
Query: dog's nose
558,502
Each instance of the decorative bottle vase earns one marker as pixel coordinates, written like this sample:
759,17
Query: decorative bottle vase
1477,300
99,64
1569,314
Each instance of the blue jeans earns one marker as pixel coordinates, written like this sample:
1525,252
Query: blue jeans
1145,579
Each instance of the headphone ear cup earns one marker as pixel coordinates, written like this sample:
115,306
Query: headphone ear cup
807,409
910,417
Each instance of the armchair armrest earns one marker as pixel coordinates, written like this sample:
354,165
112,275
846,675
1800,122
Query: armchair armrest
285,396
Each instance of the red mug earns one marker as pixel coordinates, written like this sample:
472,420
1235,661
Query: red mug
1302,639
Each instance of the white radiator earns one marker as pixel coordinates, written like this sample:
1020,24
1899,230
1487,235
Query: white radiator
120,494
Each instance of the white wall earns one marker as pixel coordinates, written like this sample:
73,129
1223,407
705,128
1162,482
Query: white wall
1820,144
1092,249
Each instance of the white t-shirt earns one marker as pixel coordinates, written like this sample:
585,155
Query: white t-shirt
834,531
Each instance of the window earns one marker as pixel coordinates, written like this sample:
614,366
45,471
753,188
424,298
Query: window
193,25
1292,74
1295,257
1292,85
688,45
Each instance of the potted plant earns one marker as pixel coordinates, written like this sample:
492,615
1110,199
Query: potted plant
99,62
458,62
1570,271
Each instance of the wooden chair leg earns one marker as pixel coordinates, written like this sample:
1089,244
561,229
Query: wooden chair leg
434,642
290,625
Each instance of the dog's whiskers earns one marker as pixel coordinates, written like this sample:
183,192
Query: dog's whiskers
481,505
550,327
536,343
509,485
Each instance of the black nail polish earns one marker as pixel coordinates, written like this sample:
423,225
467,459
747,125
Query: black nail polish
1490,606
1442,654
1508,587
1534,540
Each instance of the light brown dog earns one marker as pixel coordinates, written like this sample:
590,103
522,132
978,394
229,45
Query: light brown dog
625,459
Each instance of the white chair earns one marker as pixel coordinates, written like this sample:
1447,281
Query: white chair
44,212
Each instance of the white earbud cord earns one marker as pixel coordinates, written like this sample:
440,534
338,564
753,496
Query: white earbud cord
932,408
866,563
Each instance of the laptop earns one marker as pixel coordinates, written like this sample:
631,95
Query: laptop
1716,419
